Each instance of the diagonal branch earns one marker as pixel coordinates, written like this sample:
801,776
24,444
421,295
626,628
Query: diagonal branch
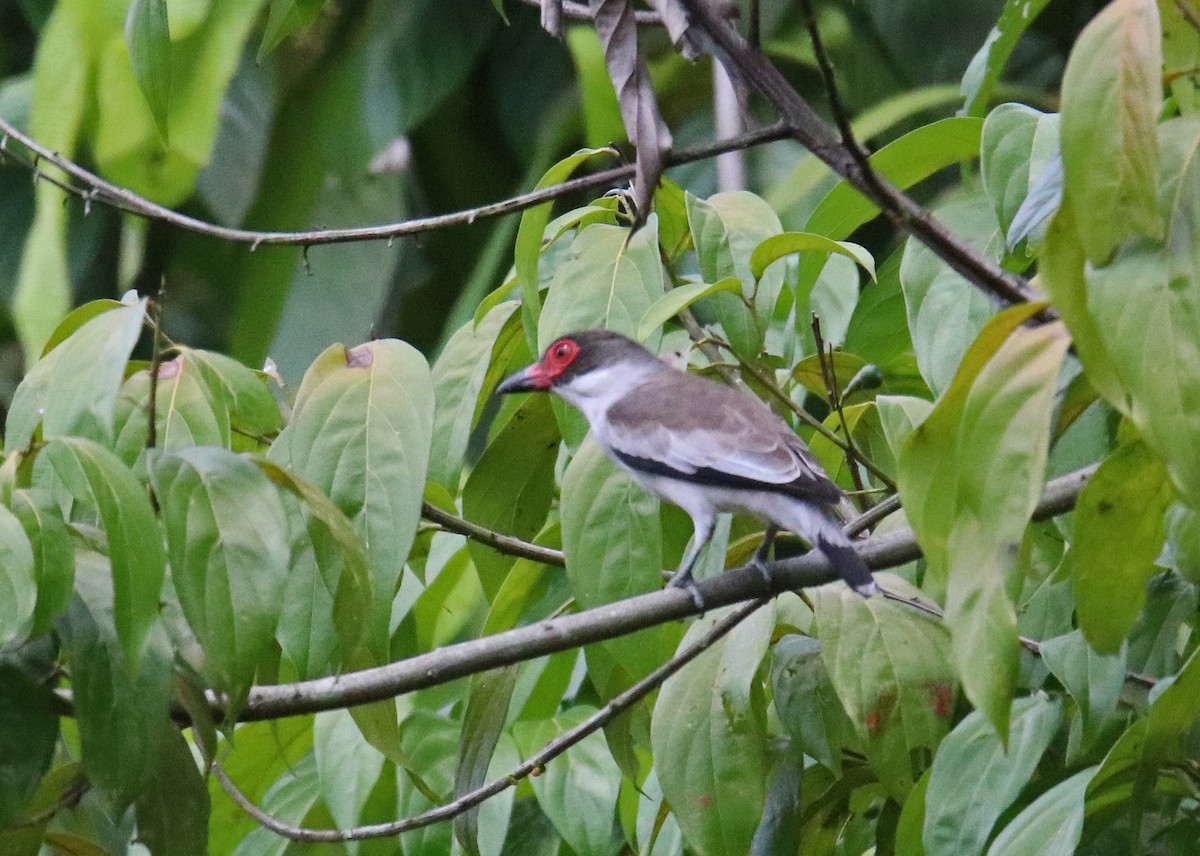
619,703
92,188
498,541
594,625
818,137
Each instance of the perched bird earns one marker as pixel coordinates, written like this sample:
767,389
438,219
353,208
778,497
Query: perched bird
696,443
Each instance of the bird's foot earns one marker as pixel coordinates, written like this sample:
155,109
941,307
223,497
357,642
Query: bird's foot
759,563
684,580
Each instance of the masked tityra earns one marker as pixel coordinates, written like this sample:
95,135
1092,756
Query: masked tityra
697,443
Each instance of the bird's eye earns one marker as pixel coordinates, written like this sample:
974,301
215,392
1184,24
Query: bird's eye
561,354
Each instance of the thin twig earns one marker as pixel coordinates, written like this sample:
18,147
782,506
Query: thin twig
498,541
125,200
156,354
807,418
619,703
835,398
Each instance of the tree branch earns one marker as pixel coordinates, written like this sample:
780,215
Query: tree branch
498,541
619,703
606,622
816,135
96,189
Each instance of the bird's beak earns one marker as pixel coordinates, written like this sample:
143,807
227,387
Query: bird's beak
532,378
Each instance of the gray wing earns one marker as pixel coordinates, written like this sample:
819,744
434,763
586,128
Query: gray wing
717,436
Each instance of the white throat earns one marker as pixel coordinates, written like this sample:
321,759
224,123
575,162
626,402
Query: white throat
596,391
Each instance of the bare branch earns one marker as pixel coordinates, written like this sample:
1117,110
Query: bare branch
816,135
96,189
498,541
620,703
593,625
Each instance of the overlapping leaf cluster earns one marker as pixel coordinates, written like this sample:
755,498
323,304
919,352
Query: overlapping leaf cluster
258,537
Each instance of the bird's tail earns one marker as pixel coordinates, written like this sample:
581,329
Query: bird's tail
826,536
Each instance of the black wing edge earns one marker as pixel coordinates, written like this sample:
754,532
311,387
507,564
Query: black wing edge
809,490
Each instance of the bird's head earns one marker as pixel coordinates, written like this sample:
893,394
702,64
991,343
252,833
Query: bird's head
584,363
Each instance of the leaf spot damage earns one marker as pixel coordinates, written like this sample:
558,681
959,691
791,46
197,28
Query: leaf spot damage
360,357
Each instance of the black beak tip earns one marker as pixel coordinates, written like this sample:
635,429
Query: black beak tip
521,381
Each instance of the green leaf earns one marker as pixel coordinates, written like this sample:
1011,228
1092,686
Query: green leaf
62,85
430,741
970,476
18,580
55,787
946,311
172,812
459,380
1093,680
578,789
512,486
203,399
483,722
806,701
610,278
329,584
904,162
726,228
974,777
227,544
1145,361
612,540
120,704
1018,143
778,246
347,765
361,432
1182,551
890,667
268,754
290,799
127,142
1051,825
287,17
709,739
148,38
985,68
73,390
1111,92
527,249
28,733
601,113
678,299
1155,737
1114,546
101,486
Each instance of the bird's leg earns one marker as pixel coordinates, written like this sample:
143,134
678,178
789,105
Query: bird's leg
683,577
763,553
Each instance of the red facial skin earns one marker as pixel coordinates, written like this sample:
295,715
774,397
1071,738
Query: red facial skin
541,375
556,359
